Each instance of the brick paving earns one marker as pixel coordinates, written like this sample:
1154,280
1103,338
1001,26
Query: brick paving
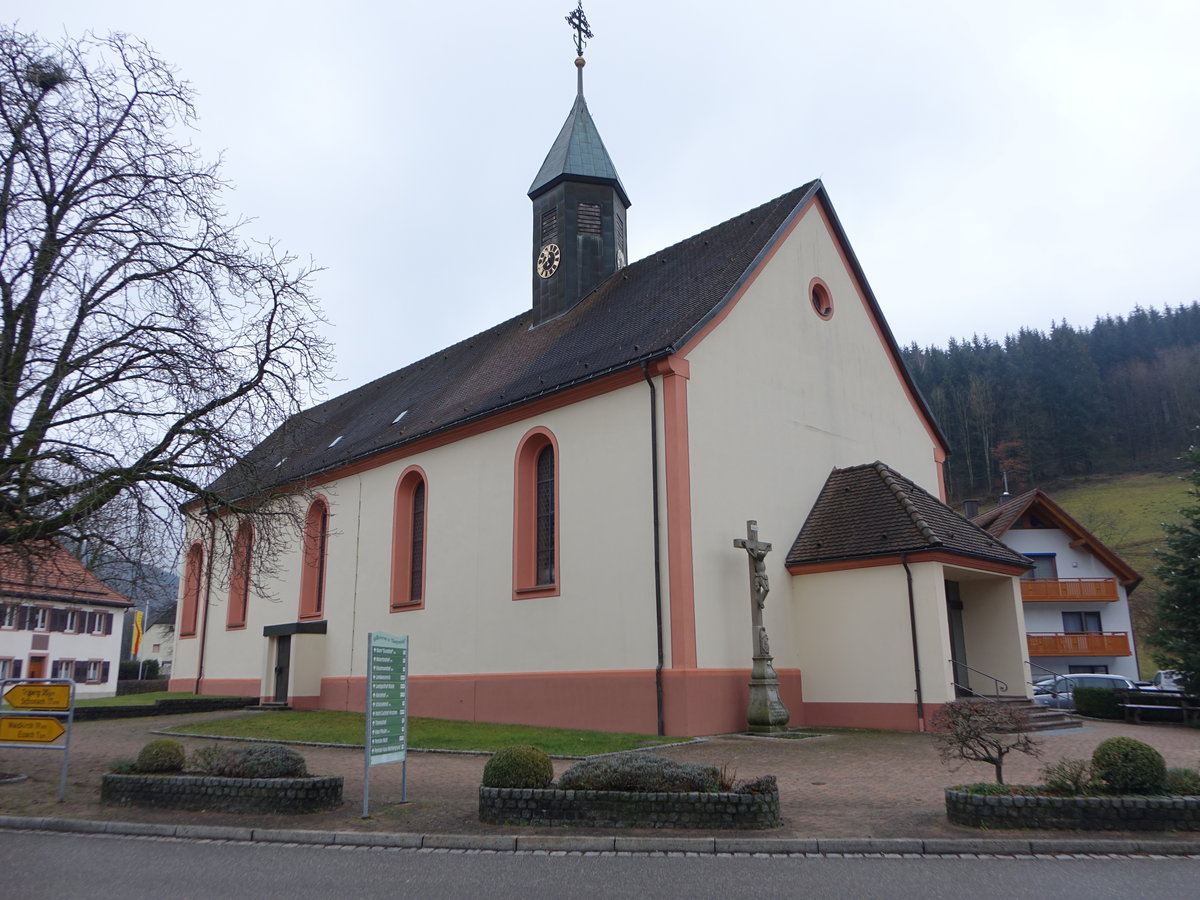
844,784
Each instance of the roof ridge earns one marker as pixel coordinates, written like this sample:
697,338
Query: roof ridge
892,480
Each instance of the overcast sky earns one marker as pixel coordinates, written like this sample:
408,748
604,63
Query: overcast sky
995,165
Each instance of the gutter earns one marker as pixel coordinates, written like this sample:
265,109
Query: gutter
912,627
212,545
658,618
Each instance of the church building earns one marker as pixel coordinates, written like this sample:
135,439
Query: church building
548,508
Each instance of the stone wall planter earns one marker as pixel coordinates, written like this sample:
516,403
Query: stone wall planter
626,809
1116,813
236,795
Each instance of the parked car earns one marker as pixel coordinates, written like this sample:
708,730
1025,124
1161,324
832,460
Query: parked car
1167,680
1059,692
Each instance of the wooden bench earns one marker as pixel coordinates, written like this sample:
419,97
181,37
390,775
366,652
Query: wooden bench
1168,701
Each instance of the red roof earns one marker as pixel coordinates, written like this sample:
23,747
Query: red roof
51,573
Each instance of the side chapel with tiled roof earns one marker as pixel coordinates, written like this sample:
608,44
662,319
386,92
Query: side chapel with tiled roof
547,508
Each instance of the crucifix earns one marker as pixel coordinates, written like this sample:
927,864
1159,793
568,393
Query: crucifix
765,713
578,21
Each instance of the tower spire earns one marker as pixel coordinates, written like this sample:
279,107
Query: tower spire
579,206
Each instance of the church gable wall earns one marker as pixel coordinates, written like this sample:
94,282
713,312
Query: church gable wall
777,397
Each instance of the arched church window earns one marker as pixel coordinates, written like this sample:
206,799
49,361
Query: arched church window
312,574
239,576
536,516
408,541
193,573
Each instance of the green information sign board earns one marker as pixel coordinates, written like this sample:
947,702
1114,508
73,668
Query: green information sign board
386,739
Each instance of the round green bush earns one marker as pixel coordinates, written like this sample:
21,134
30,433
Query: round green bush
1128,766
259,761
163,755
519,766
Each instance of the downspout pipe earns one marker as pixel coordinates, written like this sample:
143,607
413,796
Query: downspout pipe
658,616
212,544
912,627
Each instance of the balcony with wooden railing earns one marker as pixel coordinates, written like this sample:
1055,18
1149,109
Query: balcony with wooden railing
1091,590
1083,643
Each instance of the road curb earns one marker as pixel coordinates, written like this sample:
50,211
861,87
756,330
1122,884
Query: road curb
505,843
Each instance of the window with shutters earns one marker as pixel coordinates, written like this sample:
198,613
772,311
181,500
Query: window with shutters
316,547
193,574
536,516
39,618
589,218
239,576
409,530
63,668
96,671
71,621
9,615
7,669
549,227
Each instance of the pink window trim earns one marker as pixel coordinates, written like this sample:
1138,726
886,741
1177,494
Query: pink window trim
820,297
239,576
402,540
313,562
193,574
525,516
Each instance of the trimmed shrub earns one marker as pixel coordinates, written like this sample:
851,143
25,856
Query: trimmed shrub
1069,776
123,766
1098,703
1183,781
1129,766
639,772
259,761
163,755
518,766
764,784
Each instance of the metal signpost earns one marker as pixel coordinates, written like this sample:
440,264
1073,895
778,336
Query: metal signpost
387,709
26,724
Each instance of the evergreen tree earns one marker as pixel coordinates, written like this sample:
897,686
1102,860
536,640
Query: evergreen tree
1178,608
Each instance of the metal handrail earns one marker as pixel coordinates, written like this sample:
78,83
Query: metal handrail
1000,685
1032,665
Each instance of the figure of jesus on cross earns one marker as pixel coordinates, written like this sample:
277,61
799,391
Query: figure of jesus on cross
760,586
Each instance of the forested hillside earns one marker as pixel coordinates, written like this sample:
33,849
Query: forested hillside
1122,396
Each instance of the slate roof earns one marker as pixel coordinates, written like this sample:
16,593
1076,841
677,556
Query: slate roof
577,153
870,511
53,575
1001,518
645,311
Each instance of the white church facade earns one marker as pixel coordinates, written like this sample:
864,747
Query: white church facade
548,508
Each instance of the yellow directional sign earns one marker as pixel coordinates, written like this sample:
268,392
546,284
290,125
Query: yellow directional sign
31,729
39,696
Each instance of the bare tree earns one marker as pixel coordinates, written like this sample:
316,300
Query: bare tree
978,730
145,345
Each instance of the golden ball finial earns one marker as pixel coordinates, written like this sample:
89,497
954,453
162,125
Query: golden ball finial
580,62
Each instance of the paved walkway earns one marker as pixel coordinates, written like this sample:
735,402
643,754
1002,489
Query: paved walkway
853,788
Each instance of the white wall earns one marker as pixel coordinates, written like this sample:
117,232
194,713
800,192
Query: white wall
603,619
777,398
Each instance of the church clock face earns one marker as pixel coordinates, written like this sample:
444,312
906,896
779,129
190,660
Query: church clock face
547,261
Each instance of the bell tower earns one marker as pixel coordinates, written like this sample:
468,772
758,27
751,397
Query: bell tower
579,207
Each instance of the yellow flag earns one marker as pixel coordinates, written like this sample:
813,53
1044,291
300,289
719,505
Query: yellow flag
137,633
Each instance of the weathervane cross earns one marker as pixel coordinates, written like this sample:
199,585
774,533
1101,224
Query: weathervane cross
579,22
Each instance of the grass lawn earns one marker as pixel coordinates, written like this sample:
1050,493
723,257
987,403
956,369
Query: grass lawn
338,727
133,699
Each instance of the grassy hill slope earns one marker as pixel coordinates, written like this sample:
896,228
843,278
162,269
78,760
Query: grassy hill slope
1127,512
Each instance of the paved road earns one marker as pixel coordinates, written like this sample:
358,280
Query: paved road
40,865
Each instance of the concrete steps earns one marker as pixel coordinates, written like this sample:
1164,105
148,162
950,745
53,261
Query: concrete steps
1042,718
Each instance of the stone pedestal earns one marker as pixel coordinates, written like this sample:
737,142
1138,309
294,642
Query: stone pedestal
766,713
